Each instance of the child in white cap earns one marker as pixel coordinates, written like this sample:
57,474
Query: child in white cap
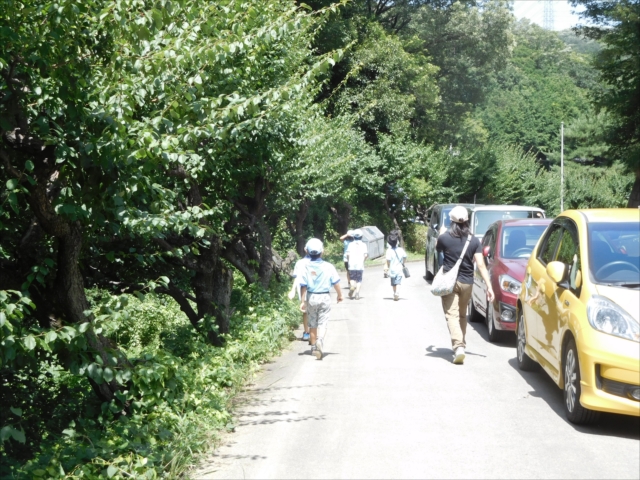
357,252
317,280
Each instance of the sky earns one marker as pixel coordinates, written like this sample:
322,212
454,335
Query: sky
563,17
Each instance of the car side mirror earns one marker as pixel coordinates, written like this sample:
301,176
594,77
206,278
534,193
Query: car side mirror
556,271
486,251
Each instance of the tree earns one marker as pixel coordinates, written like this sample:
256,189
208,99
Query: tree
617,27
139,143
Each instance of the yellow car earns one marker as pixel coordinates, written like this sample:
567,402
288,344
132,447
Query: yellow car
578,312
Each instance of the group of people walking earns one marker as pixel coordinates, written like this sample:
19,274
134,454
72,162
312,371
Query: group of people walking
314,278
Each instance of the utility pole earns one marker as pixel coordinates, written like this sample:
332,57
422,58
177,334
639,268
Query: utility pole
547,20
561,167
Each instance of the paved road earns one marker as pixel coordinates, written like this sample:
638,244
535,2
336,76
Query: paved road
386,402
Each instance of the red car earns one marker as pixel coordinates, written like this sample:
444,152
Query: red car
506,247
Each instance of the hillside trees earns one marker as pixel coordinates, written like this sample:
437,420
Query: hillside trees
618,29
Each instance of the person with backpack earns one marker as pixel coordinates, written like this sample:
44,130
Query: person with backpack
395,257
318,277
357,252
298,269
458,243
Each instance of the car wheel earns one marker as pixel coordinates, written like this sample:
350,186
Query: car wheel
474,315
525,362
574,411
428,275
495,335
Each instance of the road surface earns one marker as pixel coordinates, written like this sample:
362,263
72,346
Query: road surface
386,402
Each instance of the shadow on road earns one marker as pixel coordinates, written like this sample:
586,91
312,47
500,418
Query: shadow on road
446,353
324,354
508,340
611,425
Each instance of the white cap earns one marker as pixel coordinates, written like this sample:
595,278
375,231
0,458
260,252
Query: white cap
350,233
357,233
314,247
459,214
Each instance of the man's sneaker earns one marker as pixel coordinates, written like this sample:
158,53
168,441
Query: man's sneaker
317,350
305,336
458,356
396,297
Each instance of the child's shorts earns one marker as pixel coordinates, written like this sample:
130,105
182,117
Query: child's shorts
396,280
356,275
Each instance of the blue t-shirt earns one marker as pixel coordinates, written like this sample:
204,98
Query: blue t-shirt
344,252
319,276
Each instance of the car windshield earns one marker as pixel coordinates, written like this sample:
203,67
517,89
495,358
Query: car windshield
484,218
518,241
446,221
614,253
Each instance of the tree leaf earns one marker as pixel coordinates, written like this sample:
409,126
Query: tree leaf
18,435
16,411
29,342
111,471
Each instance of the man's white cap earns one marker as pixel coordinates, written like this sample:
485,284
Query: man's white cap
357,233
459,214
350,233
314,247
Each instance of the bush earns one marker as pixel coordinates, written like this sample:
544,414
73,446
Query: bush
180,387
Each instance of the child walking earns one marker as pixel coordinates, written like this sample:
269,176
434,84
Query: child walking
317,280
395,261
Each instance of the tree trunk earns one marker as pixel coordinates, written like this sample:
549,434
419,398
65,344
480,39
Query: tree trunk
265,270
70,299
634,198
394,220
301,216
342,214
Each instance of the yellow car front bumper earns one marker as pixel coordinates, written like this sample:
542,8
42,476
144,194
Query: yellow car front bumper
610,373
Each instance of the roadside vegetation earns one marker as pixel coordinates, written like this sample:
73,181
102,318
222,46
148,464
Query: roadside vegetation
159,161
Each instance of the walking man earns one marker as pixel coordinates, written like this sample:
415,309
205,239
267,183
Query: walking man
357,252
298,270
317,279
395,262
458,243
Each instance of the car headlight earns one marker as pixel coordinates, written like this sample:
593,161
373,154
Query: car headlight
509,284
605,316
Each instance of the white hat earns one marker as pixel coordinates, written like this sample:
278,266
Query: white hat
357,233
314,247
459,214
350,233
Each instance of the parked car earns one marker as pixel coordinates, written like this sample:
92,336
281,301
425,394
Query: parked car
484,215
506,246
578,312
437,218
480,217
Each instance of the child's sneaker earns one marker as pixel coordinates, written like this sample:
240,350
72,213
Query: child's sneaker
305,337
396,297
317,351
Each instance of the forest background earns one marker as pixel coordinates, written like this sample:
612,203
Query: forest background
159,158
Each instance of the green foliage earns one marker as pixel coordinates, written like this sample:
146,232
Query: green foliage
180,392
617,28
